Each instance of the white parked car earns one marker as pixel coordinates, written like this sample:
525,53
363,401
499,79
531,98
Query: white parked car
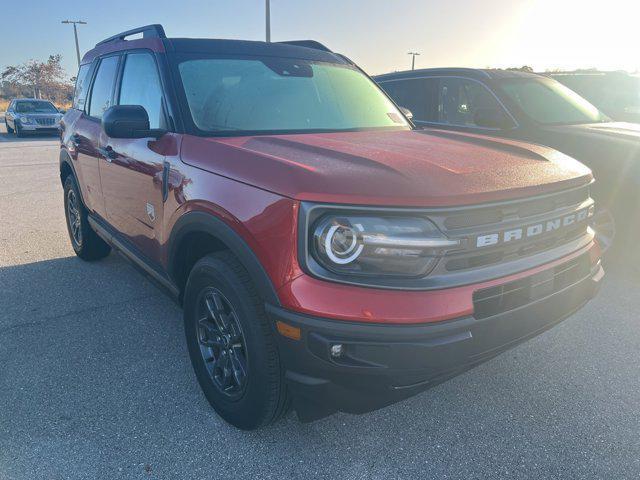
29,115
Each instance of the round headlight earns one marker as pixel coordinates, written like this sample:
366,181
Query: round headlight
342,243
377,245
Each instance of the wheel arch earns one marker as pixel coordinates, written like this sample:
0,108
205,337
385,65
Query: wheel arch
202,225
66,166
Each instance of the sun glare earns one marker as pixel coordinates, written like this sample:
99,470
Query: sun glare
570,34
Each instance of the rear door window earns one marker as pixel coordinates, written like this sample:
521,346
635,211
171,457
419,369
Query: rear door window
102,91
420,95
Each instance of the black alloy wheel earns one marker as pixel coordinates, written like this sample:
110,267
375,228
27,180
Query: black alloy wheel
222,343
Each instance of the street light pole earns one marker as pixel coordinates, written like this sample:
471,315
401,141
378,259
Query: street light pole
413,59
268,19
75,34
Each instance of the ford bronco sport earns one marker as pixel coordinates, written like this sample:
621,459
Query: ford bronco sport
327,255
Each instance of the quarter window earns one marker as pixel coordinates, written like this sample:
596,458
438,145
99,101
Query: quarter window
460,100
102,91
141,86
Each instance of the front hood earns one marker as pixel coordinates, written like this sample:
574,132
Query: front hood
400,168
613,130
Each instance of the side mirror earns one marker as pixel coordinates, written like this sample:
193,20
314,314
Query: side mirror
407,112
491,118
128,121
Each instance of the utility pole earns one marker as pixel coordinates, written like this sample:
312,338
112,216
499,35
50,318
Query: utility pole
413,59
75,34
267,15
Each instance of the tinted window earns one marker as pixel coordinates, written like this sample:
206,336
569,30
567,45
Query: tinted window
82,87
102,90
550,102
282,94
460,100
141,86
420,95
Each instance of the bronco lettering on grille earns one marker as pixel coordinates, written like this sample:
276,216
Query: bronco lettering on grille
529,231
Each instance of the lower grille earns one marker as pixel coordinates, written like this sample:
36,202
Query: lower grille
509,296
45,121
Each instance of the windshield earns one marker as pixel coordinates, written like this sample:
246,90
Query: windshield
35,106
549,102
613,93
282,95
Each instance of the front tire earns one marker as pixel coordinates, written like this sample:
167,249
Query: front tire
18,131
9,129
232,348
85,242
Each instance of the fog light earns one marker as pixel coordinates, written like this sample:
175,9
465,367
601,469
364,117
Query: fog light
337,350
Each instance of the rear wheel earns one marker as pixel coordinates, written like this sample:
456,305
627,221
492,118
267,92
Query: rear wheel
231,345
9,129
85,242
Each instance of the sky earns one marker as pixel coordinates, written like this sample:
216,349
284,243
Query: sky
376,34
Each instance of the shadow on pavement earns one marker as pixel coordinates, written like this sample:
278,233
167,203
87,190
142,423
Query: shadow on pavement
95,380
10,138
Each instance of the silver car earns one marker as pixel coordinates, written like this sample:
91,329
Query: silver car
30,115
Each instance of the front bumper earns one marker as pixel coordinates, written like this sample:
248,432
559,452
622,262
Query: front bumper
383,364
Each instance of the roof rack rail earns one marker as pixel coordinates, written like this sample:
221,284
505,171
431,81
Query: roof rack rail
308,44
148,31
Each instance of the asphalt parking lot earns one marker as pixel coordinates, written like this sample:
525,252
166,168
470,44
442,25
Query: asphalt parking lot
95,381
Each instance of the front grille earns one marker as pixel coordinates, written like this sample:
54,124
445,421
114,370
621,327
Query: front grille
45,121
469,225
509,296
497,214
511,252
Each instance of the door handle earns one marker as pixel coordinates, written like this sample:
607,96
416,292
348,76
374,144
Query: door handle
108,153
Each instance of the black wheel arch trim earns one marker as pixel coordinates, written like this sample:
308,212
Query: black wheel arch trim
65,158
207,223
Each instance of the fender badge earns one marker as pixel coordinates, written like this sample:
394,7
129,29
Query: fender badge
151,212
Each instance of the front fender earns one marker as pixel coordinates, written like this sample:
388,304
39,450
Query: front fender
207,223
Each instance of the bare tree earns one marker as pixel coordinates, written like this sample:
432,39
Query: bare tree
40,79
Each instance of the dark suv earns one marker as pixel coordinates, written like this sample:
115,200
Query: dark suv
529,107
325,252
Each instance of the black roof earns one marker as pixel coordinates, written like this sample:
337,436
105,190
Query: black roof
248,47
300,49
477,73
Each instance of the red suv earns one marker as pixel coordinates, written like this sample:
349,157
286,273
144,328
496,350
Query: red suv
327,255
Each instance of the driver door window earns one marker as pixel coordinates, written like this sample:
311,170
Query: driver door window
460,100
141,86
